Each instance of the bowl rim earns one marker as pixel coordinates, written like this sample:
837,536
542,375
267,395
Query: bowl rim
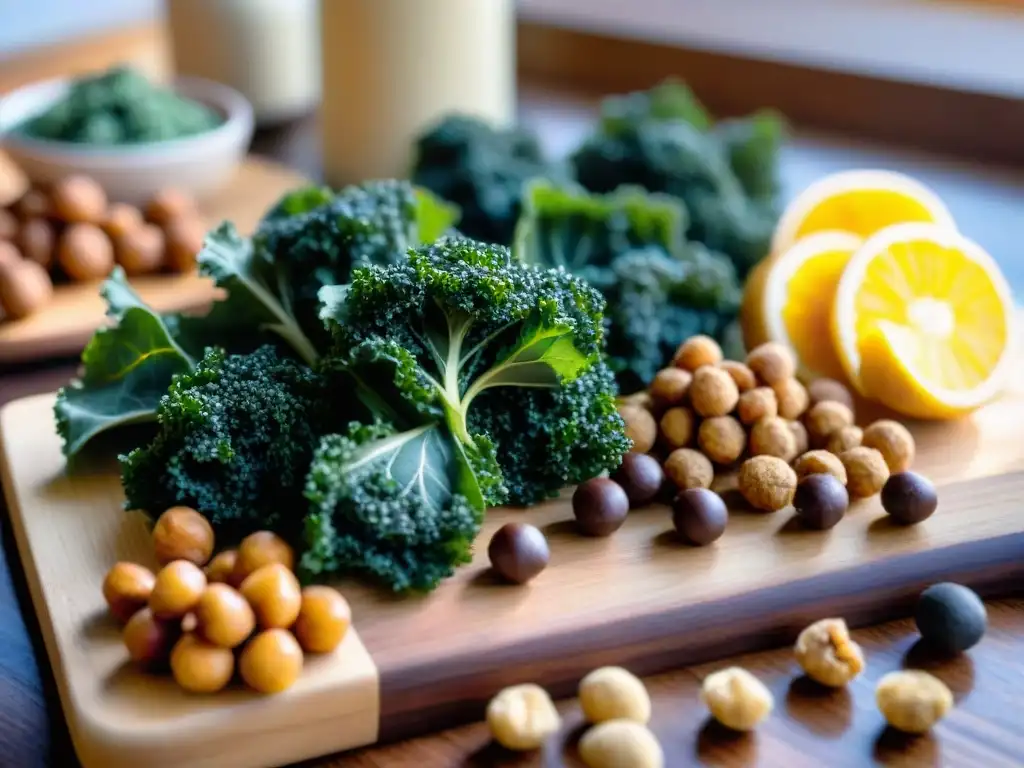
232,105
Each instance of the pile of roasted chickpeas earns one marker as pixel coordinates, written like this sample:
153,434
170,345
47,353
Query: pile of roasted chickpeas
204,616
70,231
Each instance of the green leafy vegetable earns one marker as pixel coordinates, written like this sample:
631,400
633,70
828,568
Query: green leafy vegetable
659,289
390,506
482,169
235,438
126,370
663,141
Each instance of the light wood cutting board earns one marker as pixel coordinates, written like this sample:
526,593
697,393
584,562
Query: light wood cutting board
62,328
639,599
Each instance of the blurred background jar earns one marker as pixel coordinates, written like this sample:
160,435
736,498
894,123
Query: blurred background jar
269,50
391,68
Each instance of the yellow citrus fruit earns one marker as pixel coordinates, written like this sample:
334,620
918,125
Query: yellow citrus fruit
860,202
789,300
923,321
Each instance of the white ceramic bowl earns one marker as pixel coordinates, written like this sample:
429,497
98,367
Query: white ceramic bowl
199,164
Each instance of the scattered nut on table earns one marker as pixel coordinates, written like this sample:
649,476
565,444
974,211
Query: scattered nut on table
614,693
522,717
736,698
828,654
912,701
620,744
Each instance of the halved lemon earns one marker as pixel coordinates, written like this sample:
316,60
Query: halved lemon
790,301
923,321
861,202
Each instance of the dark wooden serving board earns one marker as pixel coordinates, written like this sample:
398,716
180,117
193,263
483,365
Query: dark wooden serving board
639,599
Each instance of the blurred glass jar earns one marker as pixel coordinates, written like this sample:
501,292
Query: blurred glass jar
269,50
392,68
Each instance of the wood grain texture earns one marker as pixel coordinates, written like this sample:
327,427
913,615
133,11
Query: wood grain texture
638,599
70,530
809,728
64,325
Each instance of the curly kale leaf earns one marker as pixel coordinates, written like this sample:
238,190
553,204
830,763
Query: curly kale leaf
726,175
235,438
458,320
669,100
482,170
126,369
655,301
397,507
658,288
313,238
553,437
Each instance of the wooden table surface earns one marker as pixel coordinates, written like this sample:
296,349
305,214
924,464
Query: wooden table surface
809,727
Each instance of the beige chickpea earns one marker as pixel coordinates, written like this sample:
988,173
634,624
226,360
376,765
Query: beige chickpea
140,250
802,440
772,363
121,219
825,418
844,439
893,441
697,351
181,533
866,471
620,743
641,428
8,225
687,468
522,717
741,374
78,198
37,241
614,693
669,387
169,204
85,252
736,698
677,427
792,398
25,288
183,238
819,462
713,392
912,701
722,439
827,653
772,436
756,404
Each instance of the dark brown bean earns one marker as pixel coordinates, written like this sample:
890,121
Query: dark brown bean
699,515
640,476
909,498
518,552
821,501
600,506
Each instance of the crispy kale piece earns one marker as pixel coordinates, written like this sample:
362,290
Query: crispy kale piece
481,169
392,506
659,289
312,237
235,439
553,437
727,175
460,320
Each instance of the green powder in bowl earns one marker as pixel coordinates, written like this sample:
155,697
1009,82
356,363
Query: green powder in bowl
118,107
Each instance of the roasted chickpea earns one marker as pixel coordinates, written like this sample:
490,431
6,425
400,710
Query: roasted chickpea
35,203
25,288
221,568
271,662
140,250
224,617
78,198
324,619
8,225
274,594
181,533
169,204
85,252
149,640
37,241
201,667
177,589
259,549
184,238
127,588
121,219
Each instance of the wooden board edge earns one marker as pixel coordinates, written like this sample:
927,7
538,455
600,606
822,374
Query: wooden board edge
98,746
657,642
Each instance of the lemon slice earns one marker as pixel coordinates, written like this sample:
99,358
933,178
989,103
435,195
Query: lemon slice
798,296
923,321
861,202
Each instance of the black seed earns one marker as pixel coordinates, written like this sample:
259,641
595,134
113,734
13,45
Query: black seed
909,498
